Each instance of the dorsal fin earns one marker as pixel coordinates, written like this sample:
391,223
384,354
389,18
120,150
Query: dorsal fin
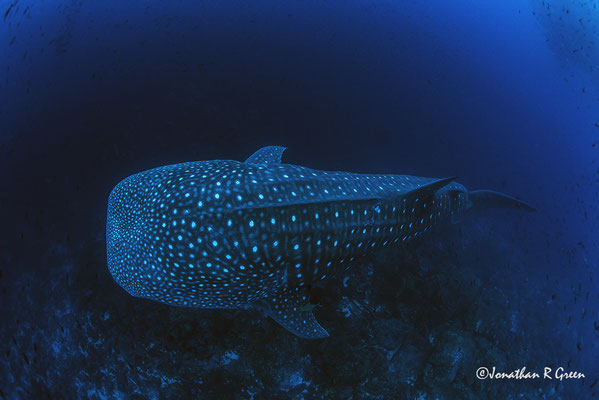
267,155
291,309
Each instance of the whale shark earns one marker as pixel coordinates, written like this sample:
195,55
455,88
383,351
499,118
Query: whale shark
229,234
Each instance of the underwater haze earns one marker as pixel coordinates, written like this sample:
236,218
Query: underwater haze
503,95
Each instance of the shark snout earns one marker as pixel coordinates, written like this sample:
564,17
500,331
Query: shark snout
123,237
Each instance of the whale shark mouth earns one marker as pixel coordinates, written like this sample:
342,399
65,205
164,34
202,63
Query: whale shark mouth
122,234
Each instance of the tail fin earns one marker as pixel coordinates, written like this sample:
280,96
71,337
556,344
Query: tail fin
489,198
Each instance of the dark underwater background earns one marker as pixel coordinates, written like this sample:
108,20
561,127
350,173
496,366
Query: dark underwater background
503,94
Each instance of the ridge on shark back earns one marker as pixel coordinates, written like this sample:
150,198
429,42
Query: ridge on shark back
227,234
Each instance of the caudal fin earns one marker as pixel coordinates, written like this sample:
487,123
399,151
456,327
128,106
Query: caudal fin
489,198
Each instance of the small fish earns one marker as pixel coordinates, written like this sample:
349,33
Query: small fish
10,7
227,234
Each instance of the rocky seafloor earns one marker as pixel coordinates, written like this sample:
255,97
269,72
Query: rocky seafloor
409,323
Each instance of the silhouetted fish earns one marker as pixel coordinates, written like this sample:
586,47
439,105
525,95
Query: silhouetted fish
226,234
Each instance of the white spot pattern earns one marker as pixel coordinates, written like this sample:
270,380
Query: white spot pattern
223,234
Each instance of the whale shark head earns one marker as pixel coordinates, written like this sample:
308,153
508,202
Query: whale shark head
123,232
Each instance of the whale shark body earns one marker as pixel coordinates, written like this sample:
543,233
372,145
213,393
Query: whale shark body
228,234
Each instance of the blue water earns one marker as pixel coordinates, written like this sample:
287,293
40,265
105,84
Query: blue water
504,95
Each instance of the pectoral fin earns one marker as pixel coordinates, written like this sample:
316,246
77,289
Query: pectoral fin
291,309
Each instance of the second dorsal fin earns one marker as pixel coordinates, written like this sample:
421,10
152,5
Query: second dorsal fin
424,191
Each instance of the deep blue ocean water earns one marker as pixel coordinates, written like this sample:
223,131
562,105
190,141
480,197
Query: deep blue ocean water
502,94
